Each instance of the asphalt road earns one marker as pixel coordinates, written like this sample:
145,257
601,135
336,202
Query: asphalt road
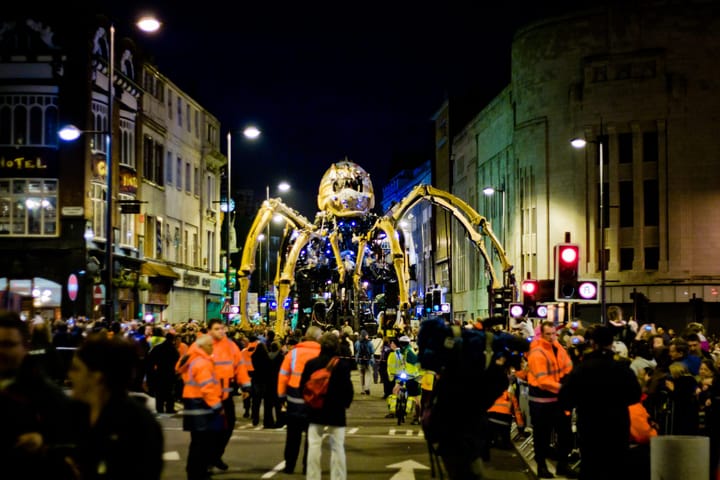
376,448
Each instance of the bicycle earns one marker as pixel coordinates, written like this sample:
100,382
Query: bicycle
402,397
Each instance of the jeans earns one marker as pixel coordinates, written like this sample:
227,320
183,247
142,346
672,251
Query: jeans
338,467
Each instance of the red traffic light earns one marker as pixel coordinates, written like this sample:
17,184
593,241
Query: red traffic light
529,287
569,254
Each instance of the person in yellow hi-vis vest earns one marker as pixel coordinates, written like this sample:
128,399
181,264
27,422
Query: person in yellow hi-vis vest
404,359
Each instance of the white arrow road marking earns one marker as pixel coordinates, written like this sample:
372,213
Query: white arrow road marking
275,470
170,456
407,468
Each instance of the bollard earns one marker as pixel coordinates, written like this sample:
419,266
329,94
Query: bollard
679,457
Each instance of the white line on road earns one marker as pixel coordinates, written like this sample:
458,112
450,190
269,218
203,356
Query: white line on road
275,470
353,431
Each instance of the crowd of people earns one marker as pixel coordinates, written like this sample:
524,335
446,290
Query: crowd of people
624,382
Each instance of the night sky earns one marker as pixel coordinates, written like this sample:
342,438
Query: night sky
325,81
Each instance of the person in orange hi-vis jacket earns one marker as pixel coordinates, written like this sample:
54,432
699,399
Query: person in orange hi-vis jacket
289,392
231,370
203,414
548,363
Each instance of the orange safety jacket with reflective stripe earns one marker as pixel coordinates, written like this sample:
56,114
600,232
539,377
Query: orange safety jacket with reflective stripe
230,364
545,369
198,373
291,370
507,404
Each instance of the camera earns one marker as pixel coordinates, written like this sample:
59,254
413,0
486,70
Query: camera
574,324
575,341
648,327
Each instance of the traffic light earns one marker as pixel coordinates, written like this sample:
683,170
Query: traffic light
501,300
428,301
436,299
567,261
517,310
530,290
587,291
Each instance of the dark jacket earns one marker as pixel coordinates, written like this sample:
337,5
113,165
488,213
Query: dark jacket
33,404
126,439
601,389
161,365
339,396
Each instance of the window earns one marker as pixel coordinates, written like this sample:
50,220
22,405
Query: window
187,117
176,244
627,205
170,105
179,111
196,182
100,124
188,178
97,200
625,148
195,251
651,200
127,225
209,192
169,168
197,124
28,120
650,147
127,143
652,258
626,258
28,207
152,161
179,172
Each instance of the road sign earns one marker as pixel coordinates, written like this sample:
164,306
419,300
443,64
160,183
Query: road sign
98,294
225,310
72,287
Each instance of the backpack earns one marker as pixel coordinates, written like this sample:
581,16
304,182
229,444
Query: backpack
365,352
316,387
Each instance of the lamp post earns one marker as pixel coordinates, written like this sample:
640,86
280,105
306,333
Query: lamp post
251,133
581,143
490,190
69,133
282,187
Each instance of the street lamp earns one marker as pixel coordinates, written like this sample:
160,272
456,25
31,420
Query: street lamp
581,143
251,133
70,133
282,187
489,191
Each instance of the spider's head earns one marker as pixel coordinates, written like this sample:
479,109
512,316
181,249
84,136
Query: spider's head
346,190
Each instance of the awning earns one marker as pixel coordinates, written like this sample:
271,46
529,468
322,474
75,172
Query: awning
158,270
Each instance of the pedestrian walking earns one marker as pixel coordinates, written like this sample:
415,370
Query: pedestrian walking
548,363
203,414
290,393
331,416
161,376
231,372
364,357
